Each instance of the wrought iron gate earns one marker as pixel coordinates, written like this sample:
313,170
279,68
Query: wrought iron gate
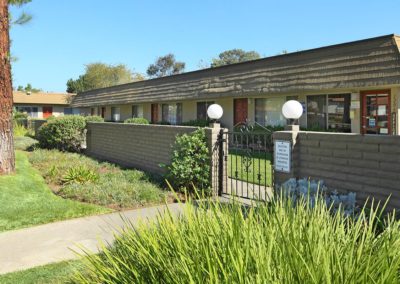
245,167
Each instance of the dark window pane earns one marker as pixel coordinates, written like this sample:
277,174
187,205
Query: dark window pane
202,110
316,112
339,112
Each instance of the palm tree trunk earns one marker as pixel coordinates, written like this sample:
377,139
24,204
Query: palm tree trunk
7,157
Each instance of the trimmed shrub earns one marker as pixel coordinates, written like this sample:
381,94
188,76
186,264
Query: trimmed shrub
136,120
94,118
66,133
190,164
197,122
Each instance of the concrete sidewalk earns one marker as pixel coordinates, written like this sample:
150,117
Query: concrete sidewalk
39,245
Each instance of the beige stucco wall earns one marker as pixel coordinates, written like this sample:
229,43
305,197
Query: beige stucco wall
189,110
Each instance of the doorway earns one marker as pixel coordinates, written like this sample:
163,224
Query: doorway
240,111
154,113
376,112
47,111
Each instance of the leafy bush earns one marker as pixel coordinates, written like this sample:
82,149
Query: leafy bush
94,118
20,130
190,163
19,118
268,243
80,175
81,178
136,120
66,133
197,123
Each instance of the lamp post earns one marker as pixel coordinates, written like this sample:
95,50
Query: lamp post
292,110
215,112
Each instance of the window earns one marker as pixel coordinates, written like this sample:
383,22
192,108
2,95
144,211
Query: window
137,111
316,112
172,113
202,110
68,111
329,112
339,112
269,111
115,114
30,111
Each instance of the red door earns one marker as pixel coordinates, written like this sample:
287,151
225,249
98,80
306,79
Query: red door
376,112
154,113
47,111
103,112
241,111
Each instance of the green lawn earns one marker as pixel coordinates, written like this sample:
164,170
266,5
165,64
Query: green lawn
248,167
50,274
26,200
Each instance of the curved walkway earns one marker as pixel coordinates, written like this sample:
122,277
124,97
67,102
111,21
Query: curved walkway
53,242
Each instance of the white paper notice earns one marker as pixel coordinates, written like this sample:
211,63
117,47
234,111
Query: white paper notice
381,110
282,156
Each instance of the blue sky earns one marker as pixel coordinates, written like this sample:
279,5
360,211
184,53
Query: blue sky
66,34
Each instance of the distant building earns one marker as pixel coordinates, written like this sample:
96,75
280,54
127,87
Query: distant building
348,87
43,105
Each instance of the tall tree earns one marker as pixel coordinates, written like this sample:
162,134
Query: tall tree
100,75
28,88
7,156
234,56
165,66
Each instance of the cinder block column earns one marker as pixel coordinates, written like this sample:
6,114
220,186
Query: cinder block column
290,136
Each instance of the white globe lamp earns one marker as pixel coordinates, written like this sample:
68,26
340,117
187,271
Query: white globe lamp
215,112
292,110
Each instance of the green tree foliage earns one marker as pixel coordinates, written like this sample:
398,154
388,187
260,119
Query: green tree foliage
23,18
28,88
165,66
100,75
234,56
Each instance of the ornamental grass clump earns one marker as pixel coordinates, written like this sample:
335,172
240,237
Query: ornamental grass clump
268,243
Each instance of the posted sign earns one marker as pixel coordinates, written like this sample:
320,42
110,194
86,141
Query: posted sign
282,153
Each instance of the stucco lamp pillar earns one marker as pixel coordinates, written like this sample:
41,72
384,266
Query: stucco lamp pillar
292,110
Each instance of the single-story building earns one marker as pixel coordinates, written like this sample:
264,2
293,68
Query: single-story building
43,105
348,87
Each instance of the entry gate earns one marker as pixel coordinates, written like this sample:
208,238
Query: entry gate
245,167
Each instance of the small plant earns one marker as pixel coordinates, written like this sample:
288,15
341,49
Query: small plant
94,118
190,163
80,175
136,120
20,130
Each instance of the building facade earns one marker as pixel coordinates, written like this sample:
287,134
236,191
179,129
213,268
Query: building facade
350,87
43,105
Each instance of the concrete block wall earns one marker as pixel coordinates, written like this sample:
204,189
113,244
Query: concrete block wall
366,164
143,147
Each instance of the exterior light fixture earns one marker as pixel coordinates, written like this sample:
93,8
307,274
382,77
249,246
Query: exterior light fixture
215,112
292,110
